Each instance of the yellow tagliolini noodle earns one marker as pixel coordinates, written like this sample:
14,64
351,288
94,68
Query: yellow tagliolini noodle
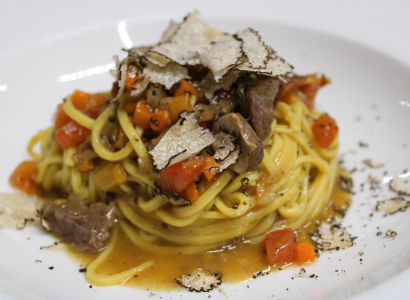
301,176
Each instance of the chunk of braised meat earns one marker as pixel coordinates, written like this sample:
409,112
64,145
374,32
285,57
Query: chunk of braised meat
257,104
87,228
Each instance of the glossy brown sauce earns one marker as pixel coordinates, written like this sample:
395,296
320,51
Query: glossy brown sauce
235,261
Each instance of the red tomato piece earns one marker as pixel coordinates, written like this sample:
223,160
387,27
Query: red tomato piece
71,134
23,178
280,246
61,117
325,130
177,177
310,90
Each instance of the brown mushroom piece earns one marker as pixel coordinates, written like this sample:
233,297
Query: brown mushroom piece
251,147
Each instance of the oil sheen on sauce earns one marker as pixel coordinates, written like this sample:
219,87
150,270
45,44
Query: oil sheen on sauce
235,261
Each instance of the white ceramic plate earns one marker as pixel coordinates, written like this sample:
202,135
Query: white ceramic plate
369,97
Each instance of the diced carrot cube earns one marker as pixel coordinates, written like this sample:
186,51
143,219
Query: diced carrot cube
210,163
142,114
185,88
304,253
160,120
179,104
191,192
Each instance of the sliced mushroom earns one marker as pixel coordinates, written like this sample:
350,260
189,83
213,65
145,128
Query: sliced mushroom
251,147
155,94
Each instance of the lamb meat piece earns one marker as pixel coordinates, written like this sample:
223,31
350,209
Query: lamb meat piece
257,105
87,228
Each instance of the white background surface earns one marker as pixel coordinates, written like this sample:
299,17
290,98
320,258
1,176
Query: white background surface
25,25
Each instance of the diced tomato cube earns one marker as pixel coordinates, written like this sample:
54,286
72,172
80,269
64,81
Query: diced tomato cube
71,134
24,177
61,117
280,246
177,177
325,130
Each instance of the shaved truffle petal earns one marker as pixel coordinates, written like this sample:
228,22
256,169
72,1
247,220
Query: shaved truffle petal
393,205
189,39
193,42
227,150
371,164
398,184
254,48
166,76
185,139
157,58
251,148
170,31
274,67
391,233
330,236
17,209
199,282
222,56
210,86
122,70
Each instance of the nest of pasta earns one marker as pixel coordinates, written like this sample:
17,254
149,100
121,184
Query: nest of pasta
204,137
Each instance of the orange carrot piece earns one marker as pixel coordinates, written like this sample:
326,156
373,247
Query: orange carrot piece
185,88
23,178
210,163
90,103
304,253
131,79
80,99
61,118
160,120
191,192
142,114
179,104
